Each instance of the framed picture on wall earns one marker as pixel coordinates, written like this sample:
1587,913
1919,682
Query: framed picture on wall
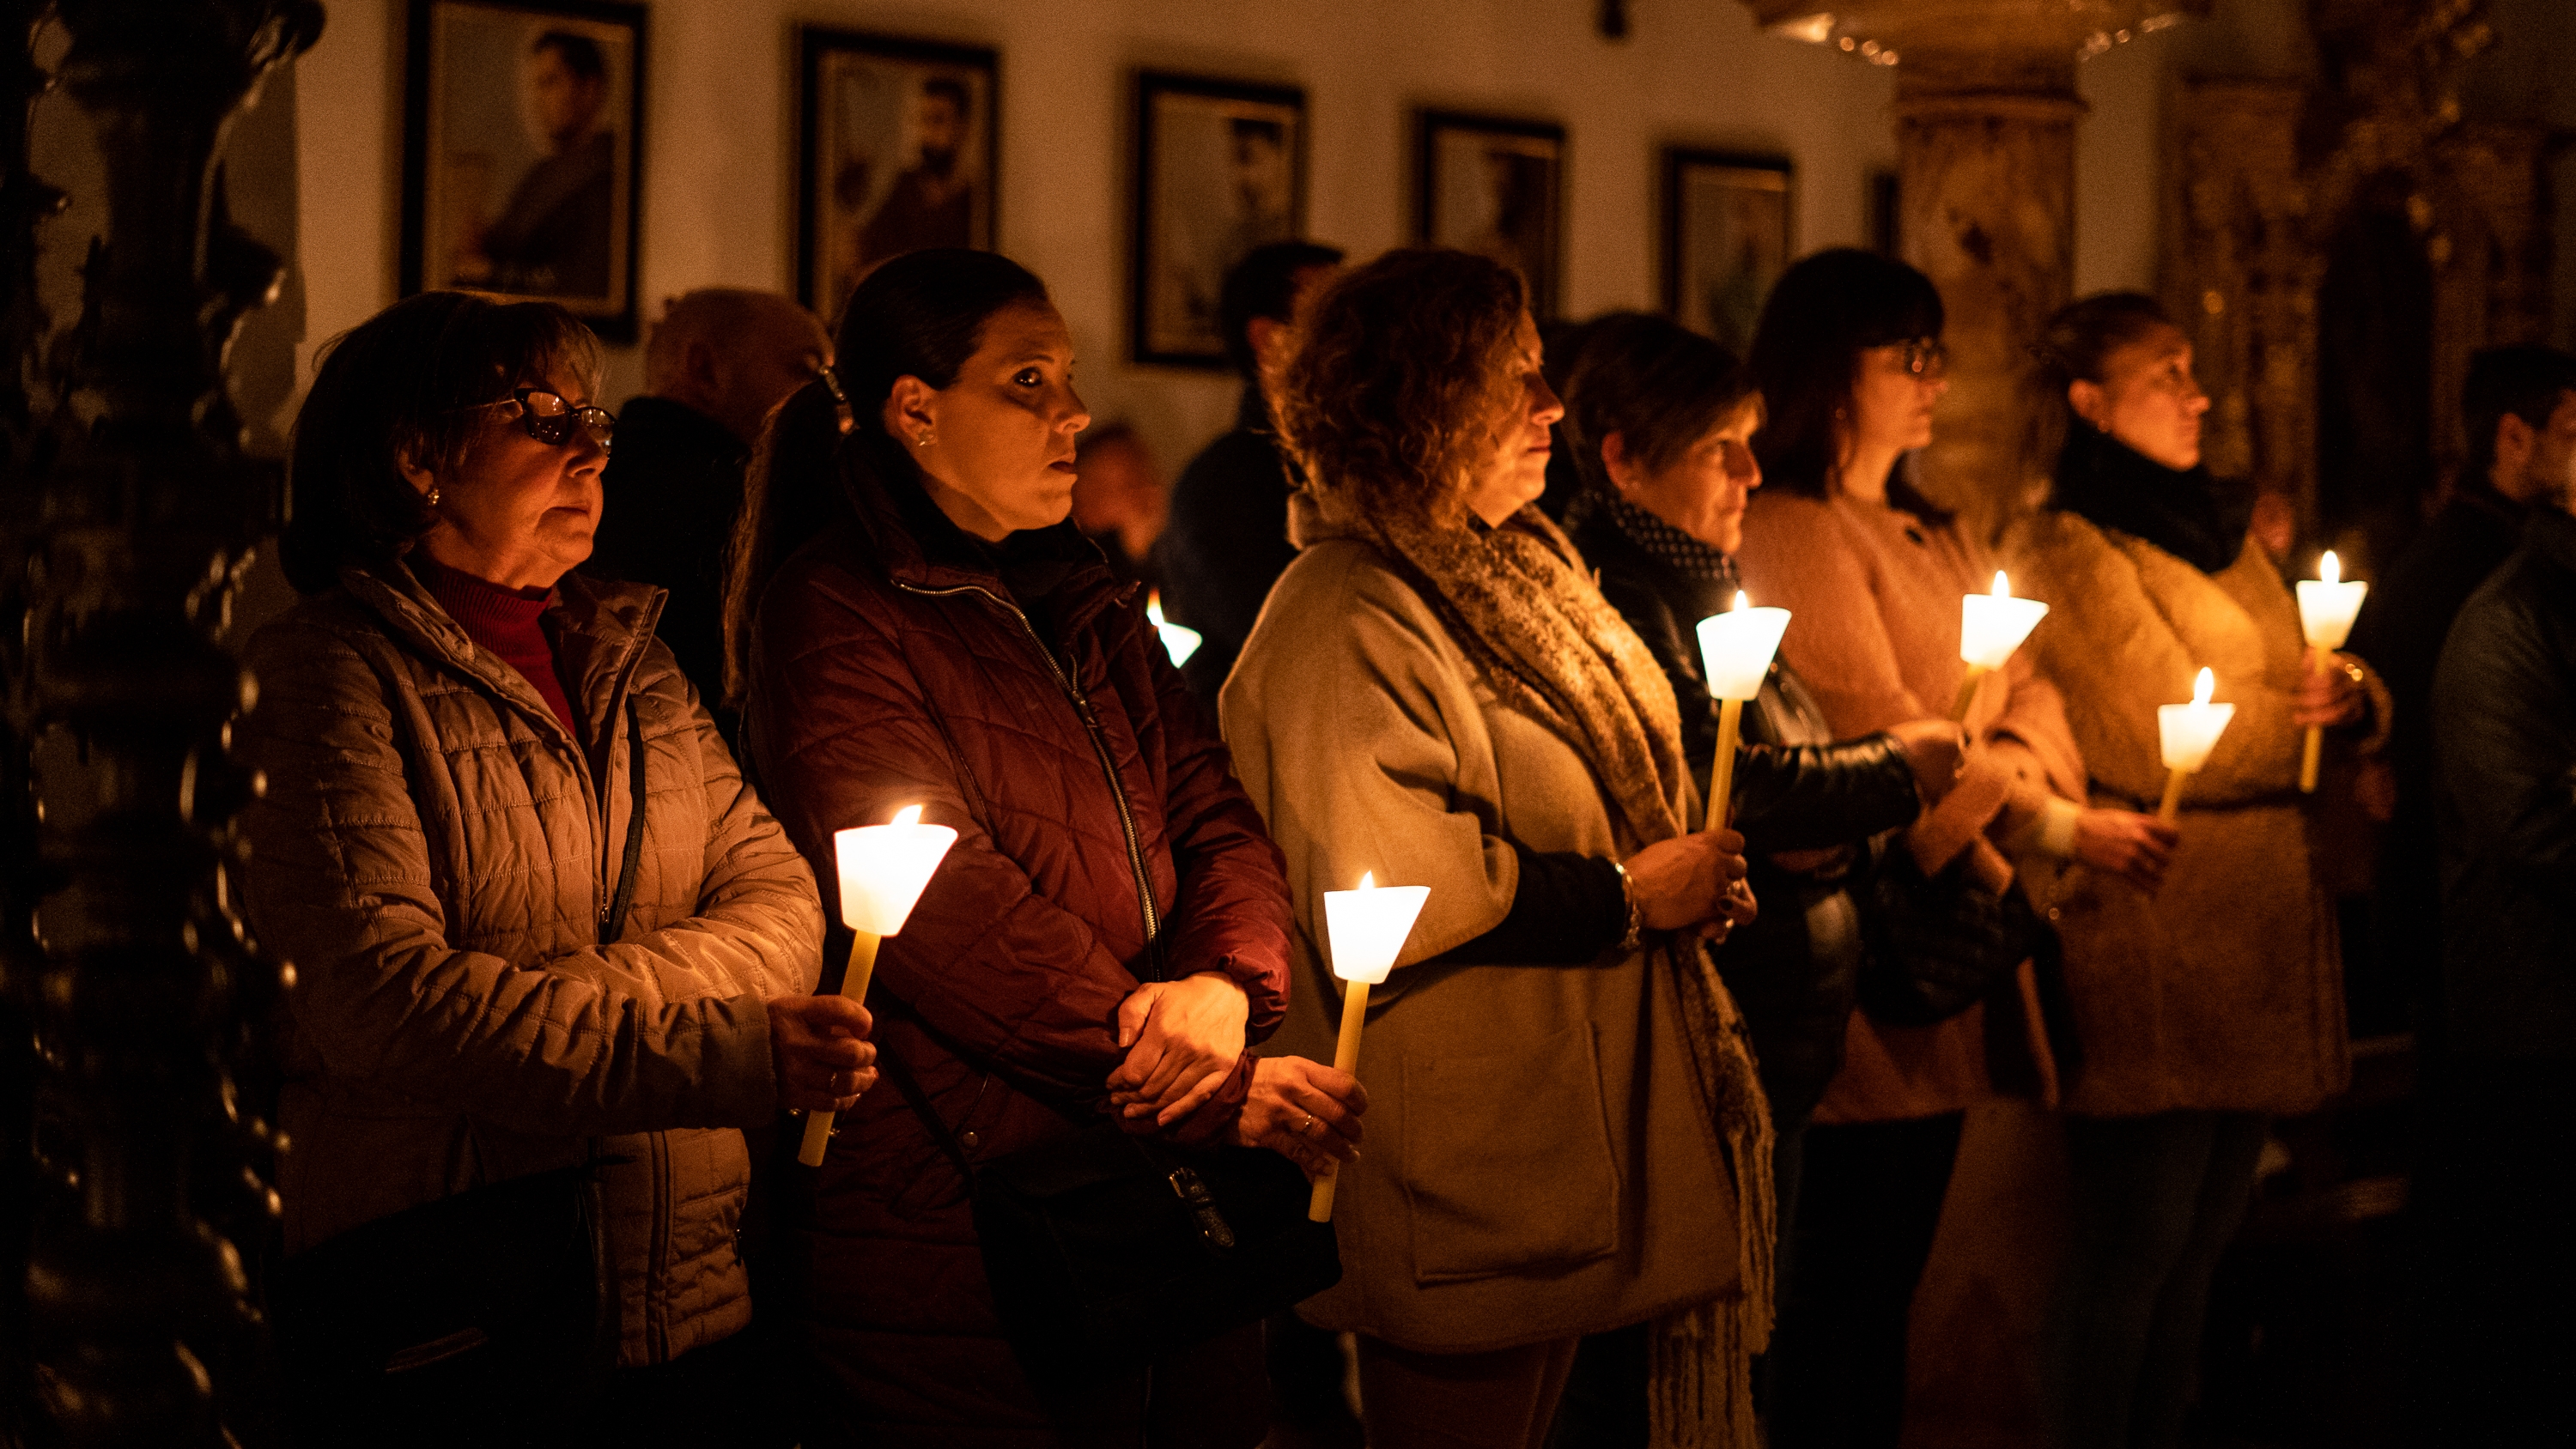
1220,169
1495,187
1880,217
1727,238
523,133
898,150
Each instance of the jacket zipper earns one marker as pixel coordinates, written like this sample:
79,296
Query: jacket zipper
1099,746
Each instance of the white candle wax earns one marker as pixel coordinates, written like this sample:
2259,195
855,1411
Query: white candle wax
1736,647
1992,626
2327,605
884,868
1368,927
2188,732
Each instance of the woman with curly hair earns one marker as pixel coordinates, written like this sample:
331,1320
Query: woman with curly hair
1436,694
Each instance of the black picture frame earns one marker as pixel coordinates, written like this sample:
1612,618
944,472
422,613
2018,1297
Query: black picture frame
1220,168
1729,231
861,95
569,228
1513,212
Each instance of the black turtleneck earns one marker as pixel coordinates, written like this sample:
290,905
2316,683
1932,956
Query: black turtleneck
2184,511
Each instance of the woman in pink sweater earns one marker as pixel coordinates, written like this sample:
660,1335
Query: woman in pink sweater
1849,356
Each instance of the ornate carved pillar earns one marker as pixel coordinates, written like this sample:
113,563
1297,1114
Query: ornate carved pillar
1986,112
125,518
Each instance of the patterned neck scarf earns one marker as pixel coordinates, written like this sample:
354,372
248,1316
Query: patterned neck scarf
1671,547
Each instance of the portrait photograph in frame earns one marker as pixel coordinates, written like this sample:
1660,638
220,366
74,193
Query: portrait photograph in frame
898,150
1496,187
1726,240
1220,169
523,153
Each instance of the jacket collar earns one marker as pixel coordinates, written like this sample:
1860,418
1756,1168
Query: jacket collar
922,550
2551,534
600,628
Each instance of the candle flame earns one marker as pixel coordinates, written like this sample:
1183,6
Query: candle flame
908,815
1154,607
1368,882
2330,568
1742,602
2203,687
2003,586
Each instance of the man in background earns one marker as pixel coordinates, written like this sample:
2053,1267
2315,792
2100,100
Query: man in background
2500,1162
1118,499
2520,412
553,238
931,204
715,366
1227,540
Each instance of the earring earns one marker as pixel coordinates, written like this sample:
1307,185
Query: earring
922,442
433,495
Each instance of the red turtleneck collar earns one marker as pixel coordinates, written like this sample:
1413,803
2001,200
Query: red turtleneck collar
506,622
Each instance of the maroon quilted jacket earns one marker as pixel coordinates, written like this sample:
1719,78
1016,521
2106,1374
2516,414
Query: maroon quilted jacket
892,664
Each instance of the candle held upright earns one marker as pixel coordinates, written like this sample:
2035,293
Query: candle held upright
1179,641
1735,650
2327,606
2188,732
883,869
1367,928
1991,627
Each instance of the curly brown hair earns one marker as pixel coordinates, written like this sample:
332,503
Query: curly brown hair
1401,378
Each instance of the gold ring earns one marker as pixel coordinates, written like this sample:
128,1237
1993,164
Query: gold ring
1309,1122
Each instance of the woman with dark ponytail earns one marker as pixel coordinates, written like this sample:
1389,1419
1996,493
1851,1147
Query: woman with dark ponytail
912,621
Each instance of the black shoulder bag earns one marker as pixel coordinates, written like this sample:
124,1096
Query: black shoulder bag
487,1317
1108,1251
1939,944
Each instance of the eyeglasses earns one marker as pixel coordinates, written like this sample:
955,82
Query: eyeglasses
1924,357
551,420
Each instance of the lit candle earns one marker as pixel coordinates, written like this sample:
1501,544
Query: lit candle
883,869
1735,649
1367,928
2188,732
1178,641
2326,609
1991,627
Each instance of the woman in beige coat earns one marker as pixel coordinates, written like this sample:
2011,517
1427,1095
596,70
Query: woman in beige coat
1573,1137
450,725
1849,356
2213,1003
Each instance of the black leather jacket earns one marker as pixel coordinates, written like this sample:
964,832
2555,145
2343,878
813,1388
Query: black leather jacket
2504,799
1795,969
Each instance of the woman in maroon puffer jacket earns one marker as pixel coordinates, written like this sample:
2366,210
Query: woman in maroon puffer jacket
913,622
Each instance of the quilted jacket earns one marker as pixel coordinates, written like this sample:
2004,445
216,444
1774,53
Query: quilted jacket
434,855
1099,829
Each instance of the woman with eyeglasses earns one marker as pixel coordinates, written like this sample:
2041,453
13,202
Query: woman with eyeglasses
537,918
1848,354
2208,1007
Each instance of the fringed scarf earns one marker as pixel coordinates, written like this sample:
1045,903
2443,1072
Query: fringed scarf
1519,603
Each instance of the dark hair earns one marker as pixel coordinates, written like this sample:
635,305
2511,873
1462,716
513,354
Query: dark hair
2076,346
1399,373
580,54
1660,386
1264,284
920,315
1822,313
407,382
2523,381
949,88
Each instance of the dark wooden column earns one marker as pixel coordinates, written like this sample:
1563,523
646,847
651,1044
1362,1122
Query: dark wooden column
126,515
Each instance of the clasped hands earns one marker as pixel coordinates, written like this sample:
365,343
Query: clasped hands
1184,1037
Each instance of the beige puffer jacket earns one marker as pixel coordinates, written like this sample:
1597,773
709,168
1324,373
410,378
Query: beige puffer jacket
434,855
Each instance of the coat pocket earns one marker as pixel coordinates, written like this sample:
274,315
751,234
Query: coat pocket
1506,1160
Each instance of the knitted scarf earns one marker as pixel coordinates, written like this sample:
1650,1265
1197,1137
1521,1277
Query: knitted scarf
2184,511
1519,602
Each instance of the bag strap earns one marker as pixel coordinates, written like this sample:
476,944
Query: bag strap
624,900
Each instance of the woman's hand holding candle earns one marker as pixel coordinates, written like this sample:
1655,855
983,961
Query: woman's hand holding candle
883,870
1691,881
818,1046
2327,606
2332,697
1304,1111
1183,1039
1366,930
1937,750
1735,650
2127,844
